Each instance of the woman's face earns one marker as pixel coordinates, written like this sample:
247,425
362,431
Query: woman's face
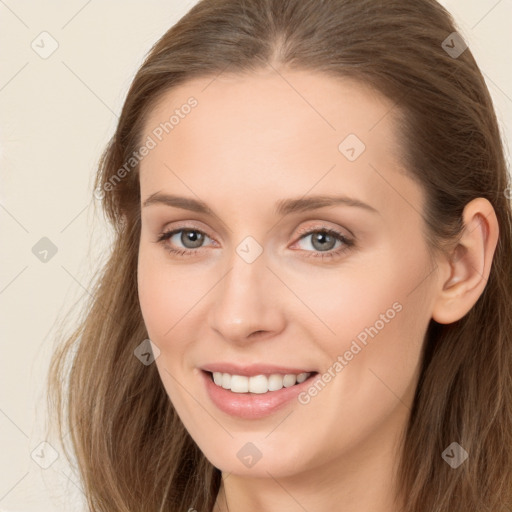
297,248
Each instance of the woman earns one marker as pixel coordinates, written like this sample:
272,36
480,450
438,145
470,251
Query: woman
228,361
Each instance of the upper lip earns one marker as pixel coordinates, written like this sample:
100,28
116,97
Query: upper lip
253,369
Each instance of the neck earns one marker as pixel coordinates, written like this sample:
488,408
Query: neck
361,480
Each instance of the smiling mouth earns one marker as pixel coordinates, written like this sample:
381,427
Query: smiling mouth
258,384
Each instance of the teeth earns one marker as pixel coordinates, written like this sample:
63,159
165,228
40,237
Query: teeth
258,383
289,380
302,377
275,382
239,383
217,378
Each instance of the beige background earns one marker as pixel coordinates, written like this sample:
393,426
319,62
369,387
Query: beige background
56,114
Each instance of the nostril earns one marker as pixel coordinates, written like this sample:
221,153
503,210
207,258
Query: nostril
257,334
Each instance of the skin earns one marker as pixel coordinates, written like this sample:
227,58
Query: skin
253,140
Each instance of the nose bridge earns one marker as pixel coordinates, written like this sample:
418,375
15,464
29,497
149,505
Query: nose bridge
241,304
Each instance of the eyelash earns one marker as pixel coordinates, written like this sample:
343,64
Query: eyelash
347,243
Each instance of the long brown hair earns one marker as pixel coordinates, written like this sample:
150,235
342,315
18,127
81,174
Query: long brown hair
133,452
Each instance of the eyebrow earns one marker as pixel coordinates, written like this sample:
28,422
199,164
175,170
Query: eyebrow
282,207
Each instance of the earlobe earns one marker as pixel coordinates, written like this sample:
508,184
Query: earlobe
469,263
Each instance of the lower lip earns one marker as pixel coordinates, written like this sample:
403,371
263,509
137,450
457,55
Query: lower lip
252,405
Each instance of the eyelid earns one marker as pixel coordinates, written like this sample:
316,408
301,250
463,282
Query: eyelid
347,241
167,234
186,226
306,230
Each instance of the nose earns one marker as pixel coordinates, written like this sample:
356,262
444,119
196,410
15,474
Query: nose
247,302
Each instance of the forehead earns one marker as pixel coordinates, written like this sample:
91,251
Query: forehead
275,132
284,106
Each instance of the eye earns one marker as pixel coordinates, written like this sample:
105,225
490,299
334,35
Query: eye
320,242
190,238
323,242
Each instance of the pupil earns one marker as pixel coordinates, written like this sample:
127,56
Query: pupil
192,236
320,239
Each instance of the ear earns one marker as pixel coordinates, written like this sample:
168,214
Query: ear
469,263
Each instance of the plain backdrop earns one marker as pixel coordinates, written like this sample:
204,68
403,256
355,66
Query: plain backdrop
57,112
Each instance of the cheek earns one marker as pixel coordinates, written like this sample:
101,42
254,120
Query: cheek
377,320
163,304
171,299
151,296
161,295
349,301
